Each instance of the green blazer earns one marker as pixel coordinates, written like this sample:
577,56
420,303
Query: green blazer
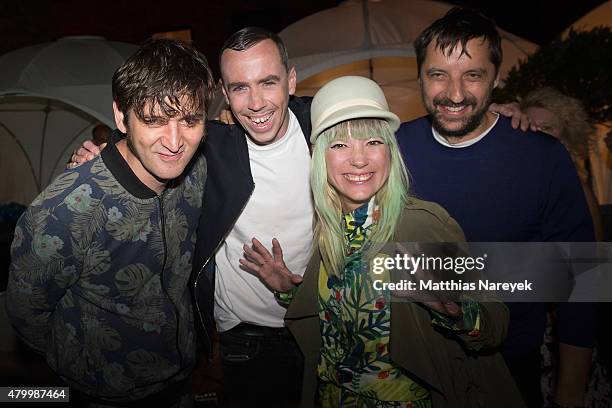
460,371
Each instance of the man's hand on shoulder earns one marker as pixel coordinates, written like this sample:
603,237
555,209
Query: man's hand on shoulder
88,151
226,116
512,110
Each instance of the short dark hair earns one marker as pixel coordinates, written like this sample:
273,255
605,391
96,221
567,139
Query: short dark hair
160,74
459,26
249,37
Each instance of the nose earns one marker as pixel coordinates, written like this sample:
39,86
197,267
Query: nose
455,90
173,138
256,100
358,156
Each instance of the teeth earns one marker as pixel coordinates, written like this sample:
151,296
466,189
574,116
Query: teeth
262,119
455,109
358,177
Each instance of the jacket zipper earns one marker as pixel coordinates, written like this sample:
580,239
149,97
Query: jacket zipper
195,284
174,307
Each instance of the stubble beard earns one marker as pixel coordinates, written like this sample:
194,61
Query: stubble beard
469,124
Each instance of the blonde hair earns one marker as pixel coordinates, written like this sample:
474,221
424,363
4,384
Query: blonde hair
391,198
577,131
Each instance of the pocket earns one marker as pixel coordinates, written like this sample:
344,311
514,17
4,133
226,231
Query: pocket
238,348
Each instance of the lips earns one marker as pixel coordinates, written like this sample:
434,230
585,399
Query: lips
170,157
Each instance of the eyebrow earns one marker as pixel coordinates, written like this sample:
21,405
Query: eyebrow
269,78
481,71
261,81
430,70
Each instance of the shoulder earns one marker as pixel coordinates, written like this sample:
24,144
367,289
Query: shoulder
300,104
536,149
427,221
524,139
215,130
71,184
419,124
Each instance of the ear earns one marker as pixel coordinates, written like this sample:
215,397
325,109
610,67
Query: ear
119,118
224,93
292,80
496,82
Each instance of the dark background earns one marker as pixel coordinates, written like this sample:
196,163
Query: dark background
28,22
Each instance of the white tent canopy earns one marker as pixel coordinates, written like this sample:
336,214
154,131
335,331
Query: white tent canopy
374,38
51,96
599,16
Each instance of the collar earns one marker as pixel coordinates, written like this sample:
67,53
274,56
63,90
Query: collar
119,168
442,140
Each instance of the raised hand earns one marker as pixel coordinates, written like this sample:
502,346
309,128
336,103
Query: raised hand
435,300
84,154
270,268
512,110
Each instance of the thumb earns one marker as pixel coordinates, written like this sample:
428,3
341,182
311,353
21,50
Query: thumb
103,145
296,279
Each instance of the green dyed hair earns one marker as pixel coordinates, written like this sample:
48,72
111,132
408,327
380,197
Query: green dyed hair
391,198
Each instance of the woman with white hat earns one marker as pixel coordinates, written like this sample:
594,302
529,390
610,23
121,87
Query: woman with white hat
366,349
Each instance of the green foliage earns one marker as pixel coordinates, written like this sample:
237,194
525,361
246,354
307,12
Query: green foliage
579,65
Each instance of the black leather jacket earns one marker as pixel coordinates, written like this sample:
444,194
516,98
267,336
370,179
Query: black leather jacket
229,186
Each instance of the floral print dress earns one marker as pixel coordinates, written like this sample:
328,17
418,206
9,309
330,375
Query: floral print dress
355,368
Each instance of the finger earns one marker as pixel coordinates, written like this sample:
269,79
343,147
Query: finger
435,305
452,308
524,122
251,266
516,121
91,147
102,146
83,155
296,279
261,249
277,251
252,255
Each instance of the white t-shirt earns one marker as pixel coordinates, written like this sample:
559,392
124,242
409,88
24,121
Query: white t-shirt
280,207
442,140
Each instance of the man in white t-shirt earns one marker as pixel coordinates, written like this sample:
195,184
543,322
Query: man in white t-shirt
262,364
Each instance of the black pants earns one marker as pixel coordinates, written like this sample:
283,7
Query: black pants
262,366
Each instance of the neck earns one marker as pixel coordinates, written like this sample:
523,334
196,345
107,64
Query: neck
155,184
487,120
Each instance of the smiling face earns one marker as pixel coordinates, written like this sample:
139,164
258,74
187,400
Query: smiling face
257,86
456,89
357,169
159,148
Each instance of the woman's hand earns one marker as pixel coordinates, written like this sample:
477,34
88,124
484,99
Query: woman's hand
270,268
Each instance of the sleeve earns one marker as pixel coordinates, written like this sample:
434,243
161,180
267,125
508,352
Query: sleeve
468,322
484,324
566,216
567,219
284,298
42,267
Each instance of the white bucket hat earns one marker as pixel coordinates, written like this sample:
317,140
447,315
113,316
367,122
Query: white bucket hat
349,97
